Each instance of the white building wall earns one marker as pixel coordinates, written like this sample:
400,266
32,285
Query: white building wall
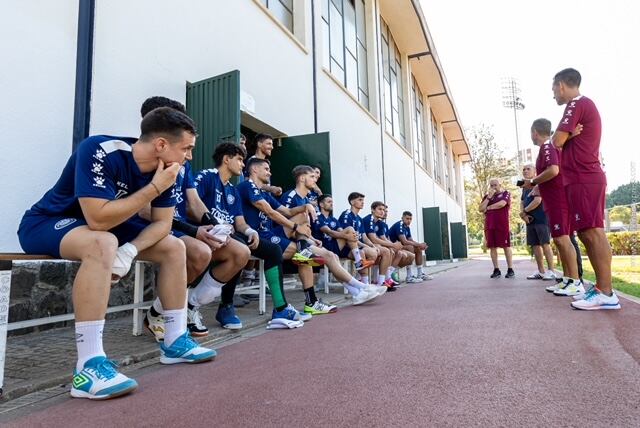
150,47
37,87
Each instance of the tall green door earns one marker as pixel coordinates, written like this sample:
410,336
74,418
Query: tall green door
444,234
458,241
432,227
214,105
310,149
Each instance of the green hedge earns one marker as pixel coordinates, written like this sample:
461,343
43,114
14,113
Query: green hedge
624,243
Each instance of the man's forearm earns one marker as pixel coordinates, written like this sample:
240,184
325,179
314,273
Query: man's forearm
152,234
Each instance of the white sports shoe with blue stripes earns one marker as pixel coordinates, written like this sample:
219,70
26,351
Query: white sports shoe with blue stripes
99,380
185,350
595,300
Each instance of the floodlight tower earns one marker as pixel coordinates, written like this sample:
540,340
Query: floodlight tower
511,99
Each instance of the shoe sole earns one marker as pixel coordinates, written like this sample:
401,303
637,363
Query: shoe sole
199,334
332,311
232,326
169,360
598,308
76,393
365,301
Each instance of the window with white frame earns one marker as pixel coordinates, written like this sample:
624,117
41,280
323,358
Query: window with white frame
392,83
436,150
420,150
447,166
345,45
282,10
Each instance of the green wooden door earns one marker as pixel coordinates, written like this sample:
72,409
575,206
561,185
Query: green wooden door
458,241
432,229
214,105
444,228
310,149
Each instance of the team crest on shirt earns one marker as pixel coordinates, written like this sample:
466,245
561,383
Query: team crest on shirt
231,199
275,239
64,223
182,171
333,224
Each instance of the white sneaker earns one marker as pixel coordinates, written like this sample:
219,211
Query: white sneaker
426,277
588,287
155,325
413,280
549,275
535,275
595,300
99,380
364,296
569,288
554,287
376,289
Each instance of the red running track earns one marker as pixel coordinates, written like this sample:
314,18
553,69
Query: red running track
461,350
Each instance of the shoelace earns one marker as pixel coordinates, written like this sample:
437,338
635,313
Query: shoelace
590,294
322,305
105,370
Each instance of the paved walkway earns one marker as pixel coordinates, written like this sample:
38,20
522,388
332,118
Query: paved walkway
462,350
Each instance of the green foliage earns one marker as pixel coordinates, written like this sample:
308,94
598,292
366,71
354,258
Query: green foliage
624,195
624,243
620,213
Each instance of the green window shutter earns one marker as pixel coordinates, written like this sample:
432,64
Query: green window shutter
214,104
459,240
431,223
310,149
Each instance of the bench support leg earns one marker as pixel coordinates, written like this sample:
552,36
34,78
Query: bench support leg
138,297
5,289
262,302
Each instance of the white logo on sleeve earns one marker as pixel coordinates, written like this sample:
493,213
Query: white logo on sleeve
565,121
100,155
64,223
98,182
97,168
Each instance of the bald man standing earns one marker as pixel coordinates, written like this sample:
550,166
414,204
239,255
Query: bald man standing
495,206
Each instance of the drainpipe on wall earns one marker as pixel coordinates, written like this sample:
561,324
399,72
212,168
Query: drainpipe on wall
84,71
380,106
313,56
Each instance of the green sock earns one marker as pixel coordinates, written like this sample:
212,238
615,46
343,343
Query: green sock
274,279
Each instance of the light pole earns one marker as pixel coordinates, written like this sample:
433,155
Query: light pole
511,99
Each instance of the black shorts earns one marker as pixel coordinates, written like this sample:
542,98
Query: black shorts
538,234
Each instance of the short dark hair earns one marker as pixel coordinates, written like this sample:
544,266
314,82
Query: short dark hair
301,170
323,197
165,120
569,76
152,103
377,204
255,162
252,146
542,126
407,213
354,195
226,149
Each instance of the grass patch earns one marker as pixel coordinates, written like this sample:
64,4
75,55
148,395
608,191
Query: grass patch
625,273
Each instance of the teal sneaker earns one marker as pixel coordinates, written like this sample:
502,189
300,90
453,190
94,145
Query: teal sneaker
99,380
185,350
396,277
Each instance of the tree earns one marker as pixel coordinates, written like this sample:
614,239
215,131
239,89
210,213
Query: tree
488,161
624,195
622,214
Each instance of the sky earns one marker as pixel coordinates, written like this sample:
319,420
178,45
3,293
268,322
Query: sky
481,42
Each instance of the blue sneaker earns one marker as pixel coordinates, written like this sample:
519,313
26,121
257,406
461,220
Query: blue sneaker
227,318
99,380
185,350
290,313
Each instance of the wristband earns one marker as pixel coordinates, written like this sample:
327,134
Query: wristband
248,232
155,187
184,227
207,218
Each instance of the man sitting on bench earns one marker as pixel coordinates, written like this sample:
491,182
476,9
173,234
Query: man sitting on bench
90,211
401,232
293,233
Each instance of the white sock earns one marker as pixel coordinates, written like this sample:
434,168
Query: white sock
88,341
409,272
390,271
364,279
354,283
419,270
157,305
175,324
356,255
381,279
206,291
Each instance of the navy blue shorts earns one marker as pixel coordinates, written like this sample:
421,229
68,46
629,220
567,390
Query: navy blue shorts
275,238
41,234
335,248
